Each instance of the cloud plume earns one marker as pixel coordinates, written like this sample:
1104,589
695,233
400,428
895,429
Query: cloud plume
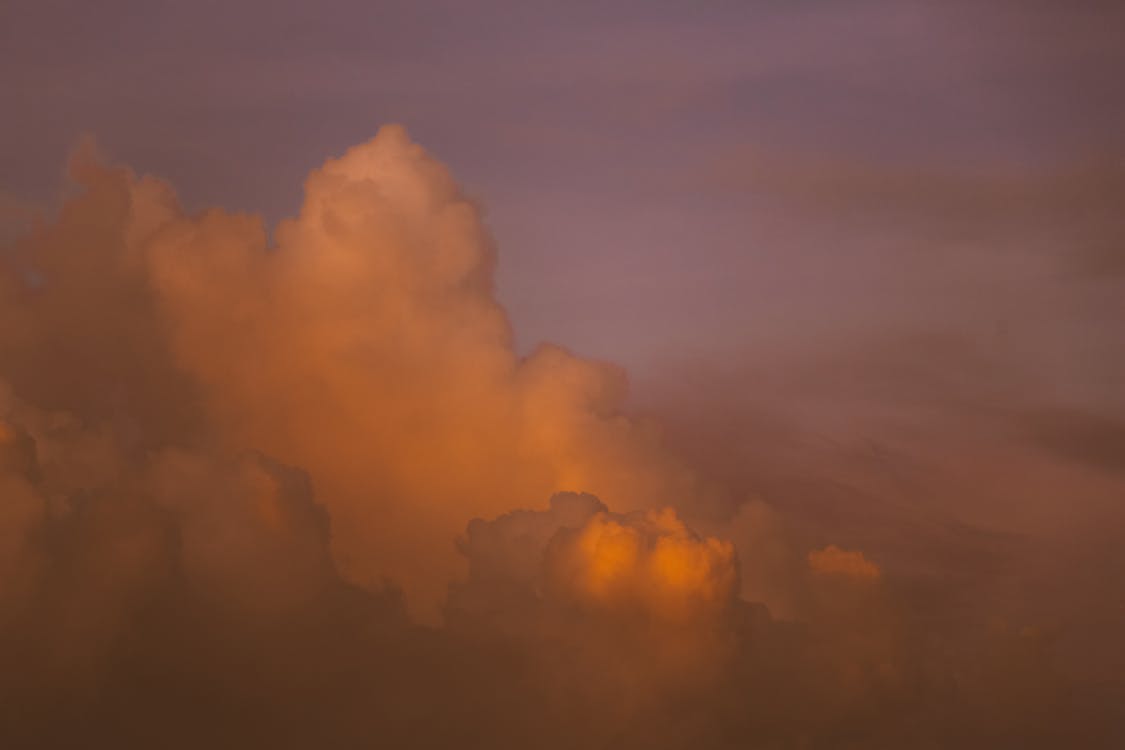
296,487
363,344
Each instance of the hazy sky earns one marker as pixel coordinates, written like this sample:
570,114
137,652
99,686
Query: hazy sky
618,148
273,450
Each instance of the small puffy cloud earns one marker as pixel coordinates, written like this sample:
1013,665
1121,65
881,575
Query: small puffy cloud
648,564
579,556
835,562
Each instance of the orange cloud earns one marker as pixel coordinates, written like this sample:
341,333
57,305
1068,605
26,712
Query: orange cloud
833,561
649,563
364,344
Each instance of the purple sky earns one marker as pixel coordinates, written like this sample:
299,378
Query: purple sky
863,260
618,148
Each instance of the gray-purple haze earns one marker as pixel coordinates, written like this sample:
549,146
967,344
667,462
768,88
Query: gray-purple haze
862,262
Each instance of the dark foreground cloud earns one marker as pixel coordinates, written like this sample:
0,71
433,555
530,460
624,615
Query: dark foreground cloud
295,488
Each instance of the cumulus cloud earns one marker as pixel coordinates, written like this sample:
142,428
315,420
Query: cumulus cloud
258,486
363,344
367,347
578,555
651,564
616,612
833,561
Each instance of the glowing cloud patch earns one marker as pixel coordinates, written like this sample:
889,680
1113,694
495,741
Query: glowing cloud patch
833,561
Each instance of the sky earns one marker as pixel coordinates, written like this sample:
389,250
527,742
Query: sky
614,146
813,311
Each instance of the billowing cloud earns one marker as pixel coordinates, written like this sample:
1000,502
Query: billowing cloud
259,486
651,564
363,344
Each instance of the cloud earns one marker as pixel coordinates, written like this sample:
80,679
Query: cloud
239,471
1067,207
364,345
578,556
651,564
1095,440
833,561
